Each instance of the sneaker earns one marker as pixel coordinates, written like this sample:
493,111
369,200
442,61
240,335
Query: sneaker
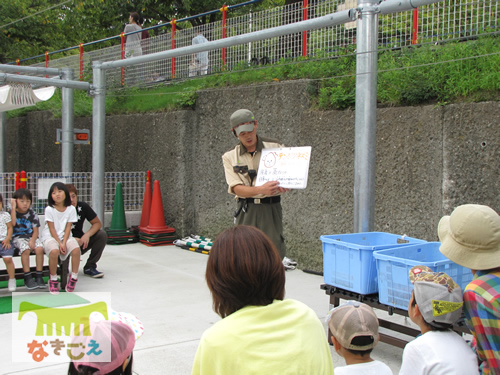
30,283
288,268
12,285
40,283
289,262
70,286
93,272
54,287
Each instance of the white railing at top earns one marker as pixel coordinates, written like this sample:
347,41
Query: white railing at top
446,20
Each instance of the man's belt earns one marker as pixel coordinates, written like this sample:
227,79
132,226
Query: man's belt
267,200
243,203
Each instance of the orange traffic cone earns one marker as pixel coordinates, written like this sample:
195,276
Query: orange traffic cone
157,218
146,207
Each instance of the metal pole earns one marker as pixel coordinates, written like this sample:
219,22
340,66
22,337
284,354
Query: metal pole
67,140
44,81
98,138
366,120
393,6
293,28
3,141
29,69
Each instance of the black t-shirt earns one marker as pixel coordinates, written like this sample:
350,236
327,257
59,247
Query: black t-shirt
84,212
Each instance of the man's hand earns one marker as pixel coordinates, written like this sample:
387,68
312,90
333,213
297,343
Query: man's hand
13,204
31,243
272,188
84,241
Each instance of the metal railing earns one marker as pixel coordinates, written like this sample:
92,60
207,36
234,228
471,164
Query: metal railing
38,183
446,20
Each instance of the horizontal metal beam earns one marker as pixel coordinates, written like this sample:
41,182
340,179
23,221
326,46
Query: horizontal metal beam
44,81
316,23
394,6
29,69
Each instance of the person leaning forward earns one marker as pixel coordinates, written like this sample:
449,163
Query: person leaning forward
258,206
94,239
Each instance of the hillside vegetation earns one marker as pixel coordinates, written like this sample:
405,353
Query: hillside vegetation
441,74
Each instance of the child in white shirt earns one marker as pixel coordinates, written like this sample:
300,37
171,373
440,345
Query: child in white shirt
435,305
6,249
57,238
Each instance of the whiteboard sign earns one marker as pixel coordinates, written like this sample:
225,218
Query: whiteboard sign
44,185
288,165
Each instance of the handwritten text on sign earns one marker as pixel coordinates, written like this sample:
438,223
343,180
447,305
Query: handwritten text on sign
289,166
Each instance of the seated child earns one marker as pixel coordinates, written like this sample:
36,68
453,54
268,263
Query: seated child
25,237
57,238
354,328
6,249
435,305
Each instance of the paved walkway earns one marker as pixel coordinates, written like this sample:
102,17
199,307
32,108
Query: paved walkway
165,288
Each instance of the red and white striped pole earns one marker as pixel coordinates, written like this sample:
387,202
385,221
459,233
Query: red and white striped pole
224,18
122,37
81,61
173,46
304,33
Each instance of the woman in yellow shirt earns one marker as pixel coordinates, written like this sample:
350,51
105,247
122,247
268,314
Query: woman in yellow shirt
260,331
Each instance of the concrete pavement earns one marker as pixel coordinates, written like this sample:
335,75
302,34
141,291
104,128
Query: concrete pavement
165,288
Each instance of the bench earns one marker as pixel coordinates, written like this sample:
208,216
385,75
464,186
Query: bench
391,327
62,271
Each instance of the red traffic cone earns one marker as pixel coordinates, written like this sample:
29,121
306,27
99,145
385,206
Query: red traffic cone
146,207
156,217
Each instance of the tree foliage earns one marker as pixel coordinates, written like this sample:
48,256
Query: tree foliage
29,27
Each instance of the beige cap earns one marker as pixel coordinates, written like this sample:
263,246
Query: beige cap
470,236
354,319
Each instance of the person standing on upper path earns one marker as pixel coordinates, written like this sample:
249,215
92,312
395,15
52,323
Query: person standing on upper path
133,41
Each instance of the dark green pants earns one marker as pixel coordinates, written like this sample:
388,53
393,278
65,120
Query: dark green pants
268,217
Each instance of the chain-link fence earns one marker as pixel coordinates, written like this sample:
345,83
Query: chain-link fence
446,20
38,183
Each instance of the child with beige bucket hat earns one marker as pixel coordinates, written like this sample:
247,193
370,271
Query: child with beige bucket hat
470,236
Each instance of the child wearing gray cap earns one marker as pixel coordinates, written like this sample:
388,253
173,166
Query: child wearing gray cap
435,305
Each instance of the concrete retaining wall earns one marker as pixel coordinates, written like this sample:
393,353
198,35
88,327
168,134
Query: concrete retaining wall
429,160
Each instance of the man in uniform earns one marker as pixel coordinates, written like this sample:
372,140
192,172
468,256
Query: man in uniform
258,206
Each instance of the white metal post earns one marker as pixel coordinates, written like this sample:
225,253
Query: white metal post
67,139
98,138
366,116
3,141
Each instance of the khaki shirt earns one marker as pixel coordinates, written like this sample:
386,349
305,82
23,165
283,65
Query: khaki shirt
239,156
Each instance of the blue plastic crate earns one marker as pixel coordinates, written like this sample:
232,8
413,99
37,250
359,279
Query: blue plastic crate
393,266
348,261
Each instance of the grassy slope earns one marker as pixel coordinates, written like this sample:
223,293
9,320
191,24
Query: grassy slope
452,72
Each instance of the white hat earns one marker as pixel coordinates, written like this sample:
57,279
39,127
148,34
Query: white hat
470,236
